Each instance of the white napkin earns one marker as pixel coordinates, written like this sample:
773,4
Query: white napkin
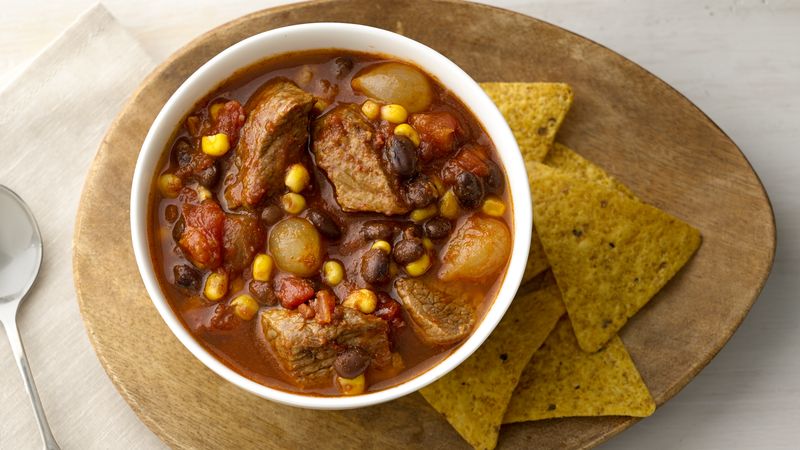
52,118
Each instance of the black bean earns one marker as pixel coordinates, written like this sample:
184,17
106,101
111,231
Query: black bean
186,276
401,156
343,66
421,192
177,229
468,189
208,177
271,214
171,213
495,180
263,292
351,362
408,250
438,227
375,266
324,223
182,152
377,229
413,231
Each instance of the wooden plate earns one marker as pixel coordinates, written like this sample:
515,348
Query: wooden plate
625,119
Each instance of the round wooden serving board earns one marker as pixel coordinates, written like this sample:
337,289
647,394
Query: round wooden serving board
625,119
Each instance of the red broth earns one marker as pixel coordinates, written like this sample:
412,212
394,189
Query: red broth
240,344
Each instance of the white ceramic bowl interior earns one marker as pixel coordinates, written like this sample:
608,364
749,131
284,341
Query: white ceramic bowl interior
348,37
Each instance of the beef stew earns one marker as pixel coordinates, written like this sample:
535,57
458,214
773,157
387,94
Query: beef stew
330,222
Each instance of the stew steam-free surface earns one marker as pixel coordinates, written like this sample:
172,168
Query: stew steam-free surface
330,222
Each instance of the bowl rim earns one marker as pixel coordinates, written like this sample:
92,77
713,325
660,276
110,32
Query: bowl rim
348,37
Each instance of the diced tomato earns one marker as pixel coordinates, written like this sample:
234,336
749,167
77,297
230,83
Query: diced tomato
437,133
223,319
230,120
389,310
201,240
293,291
324,305
472,158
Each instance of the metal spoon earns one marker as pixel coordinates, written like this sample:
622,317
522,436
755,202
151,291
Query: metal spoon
20,259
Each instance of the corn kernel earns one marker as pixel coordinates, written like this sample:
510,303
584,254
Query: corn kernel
493,206
371,109
437,182
169,185
203,193
293,203
427,243
383,246
418,215
332,272
297,178
408,131
448,205
215,109
216,286
394,113
245,307
363,300
394,269
262,267
215,145
420,266
352,386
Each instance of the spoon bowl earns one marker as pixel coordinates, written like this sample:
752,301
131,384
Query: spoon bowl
20,260
20,247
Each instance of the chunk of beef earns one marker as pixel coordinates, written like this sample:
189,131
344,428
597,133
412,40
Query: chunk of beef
272,138
346,148
201,235
306,349
437,317
243,236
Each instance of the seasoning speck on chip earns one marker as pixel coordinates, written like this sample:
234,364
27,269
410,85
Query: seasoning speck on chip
562,380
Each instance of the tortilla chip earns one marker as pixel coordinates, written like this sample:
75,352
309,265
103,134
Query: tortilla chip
474,396
566,160
537,260
562,158
534,111
609,253
563,381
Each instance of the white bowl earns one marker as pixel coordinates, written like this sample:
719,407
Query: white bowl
347,37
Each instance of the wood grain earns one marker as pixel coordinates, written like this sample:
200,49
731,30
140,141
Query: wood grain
625,119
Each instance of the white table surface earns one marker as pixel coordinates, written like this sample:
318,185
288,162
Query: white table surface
738,60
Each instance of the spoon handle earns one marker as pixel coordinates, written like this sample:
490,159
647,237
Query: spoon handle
22,362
